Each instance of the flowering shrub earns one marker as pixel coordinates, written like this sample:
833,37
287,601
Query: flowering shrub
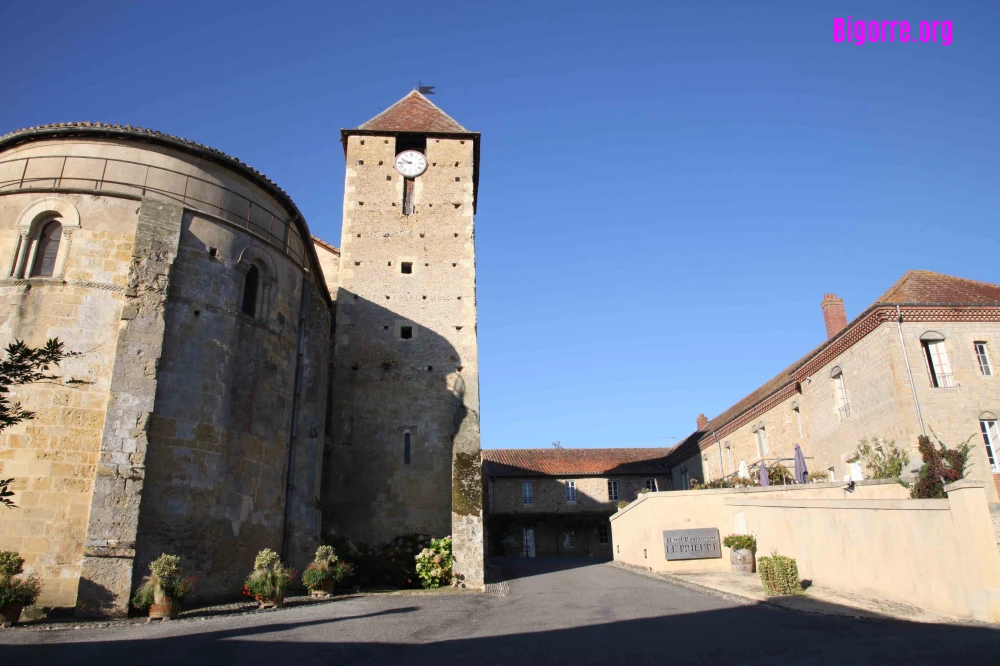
23,591
165,581
269,580
883,459
434,564
740,542
939,464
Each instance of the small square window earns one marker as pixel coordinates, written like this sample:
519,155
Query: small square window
406,267
406,332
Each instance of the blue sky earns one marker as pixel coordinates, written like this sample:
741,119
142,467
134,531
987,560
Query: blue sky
667,189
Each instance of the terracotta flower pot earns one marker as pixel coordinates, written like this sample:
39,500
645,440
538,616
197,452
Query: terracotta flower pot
164,607
276,602
742,560
325,590
10,613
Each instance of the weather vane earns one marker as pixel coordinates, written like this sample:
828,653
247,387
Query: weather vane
425,90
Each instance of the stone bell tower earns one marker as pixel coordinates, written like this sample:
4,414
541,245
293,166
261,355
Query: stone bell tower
403,455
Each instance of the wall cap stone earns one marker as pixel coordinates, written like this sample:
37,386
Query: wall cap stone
964,483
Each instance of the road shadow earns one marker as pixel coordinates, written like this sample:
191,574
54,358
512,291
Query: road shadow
741,635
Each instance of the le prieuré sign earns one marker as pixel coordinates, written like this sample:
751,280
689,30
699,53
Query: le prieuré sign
692,544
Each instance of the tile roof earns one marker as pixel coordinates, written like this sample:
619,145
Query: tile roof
573,462
914,288
414,113
319,241
929,287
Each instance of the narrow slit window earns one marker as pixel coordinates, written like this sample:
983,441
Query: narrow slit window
407,196
406,447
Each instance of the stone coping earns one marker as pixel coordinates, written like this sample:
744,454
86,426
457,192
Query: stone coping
878,504
789,488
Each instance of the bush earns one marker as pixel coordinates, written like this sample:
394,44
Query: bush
269,579
165,580
944,463
622,504
883,459
740,542
818,477
23,591
779,574
434,564
390,565
777,475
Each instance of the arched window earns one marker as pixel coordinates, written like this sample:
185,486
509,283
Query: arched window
250,287
48,248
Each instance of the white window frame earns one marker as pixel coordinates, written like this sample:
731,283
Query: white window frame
527,493
651,485
991,438
571,492
983,356
613,494
569,540
938,366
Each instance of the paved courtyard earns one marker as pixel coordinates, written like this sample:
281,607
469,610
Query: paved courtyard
557,612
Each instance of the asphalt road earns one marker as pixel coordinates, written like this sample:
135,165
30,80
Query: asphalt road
557,612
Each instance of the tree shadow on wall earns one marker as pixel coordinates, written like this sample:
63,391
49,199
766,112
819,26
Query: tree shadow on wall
399,419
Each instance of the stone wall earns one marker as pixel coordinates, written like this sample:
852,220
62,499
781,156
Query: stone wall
53,457
220,436
426,386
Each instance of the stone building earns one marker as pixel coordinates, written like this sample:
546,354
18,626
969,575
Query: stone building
557,502
921,359
199,416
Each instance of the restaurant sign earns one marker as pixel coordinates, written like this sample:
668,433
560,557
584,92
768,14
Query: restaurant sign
696,544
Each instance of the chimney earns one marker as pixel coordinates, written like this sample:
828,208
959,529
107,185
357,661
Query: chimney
833,314
702,422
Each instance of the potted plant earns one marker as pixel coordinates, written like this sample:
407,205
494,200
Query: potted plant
164,588
15,593
325,571
269,580
741,552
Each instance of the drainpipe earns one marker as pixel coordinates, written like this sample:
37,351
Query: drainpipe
909,372
296,400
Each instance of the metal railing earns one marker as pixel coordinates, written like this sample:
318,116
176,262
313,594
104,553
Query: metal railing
113,176
755,466
943,380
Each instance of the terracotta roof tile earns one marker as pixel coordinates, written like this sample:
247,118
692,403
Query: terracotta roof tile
930,287
573,462
414,113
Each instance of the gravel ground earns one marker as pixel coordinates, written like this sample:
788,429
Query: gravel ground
556,612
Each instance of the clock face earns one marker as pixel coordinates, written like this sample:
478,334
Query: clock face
410,163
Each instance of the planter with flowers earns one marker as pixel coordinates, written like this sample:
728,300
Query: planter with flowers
269,580
741,552
164,588
15,593
325,571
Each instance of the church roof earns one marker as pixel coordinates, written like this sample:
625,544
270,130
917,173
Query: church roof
414,113
573,462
